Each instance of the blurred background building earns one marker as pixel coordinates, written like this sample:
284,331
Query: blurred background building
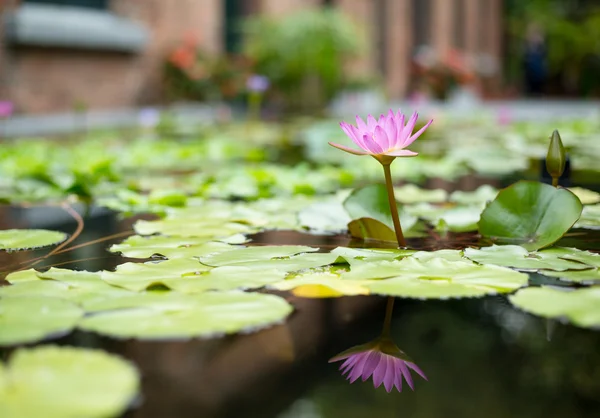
58,55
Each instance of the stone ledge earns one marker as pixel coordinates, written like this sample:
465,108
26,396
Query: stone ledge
71,27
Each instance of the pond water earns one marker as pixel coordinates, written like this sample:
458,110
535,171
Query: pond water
482,356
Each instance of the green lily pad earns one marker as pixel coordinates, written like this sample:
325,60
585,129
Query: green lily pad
25,239
372,202
410,193
28,319
225,278
371,229
362,255
587,197
584,257
448,217
42,382
321,285
590,276
442,279
581,307
531,214
210,229
140,276
159,315
138,246
482,195
590,217
326,216
449,255
519,258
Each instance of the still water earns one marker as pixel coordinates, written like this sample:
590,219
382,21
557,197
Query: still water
482,357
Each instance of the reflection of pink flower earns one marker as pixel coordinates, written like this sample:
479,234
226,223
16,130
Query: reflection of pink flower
6,109
387,136
383,360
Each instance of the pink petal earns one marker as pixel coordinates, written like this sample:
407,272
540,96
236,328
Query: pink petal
371,145
381,138
381,121
370,364
347,365
361,125
371,123
402,153
417,369
350,150
358,367
398,380
407,131
358,136
390,130
390,372
379,372
352,133
400,135
406,373
417,134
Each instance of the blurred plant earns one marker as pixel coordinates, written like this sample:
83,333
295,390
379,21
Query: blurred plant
441,74
571,32
193,74
303,54
380,358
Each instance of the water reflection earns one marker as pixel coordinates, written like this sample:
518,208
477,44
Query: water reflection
380,358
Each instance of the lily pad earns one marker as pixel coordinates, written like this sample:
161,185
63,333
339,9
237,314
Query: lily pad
210,229
483,194
410,193
442,279
225,278
586,196
25,239
581,307
28,319
531,214
519,258
160,315
590,217
362,255
42,381
170,247
321,285
371,229
591,276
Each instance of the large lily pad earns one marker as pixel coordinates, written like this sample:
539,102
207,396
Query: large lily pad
518,257
531,214
590,217
442,279
24,239
159,315
170,247
579,306
59,382
322,285
28,318
591,276
210,229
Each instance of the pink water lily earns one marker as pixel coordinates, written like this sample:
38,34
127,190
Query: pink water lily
381,359
388,136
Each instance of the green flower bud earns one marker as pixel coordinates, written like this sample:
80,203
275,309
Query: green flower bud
556,158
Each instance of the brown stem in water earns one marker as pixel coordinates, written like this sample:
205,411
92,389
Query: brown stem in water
393,207
387,323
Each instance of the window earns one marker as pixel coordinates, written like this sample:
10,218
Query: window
89,4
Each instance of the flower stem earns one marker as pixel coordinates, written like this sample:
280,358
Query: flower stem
555,181
387,323
393,207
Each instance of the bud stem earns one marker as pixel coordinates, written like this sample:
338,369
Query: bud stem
387,323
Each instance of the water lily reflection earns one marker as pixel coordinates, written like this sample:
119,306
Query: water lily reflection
381,359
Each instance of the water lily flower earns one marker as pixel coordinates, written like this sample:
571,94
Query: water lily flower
384,139
381,359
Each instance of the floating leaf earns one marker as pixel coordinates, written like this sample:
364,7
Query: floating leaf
482,195
590,217
138,246
29,319
24,239
587,197
327,216
371,229
140,276
159,315
449,255
519,258
579,276
361,255
210,229
321,285
441,279
448,217
580,306
225,278
410,193
531,214
584,257
58,382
